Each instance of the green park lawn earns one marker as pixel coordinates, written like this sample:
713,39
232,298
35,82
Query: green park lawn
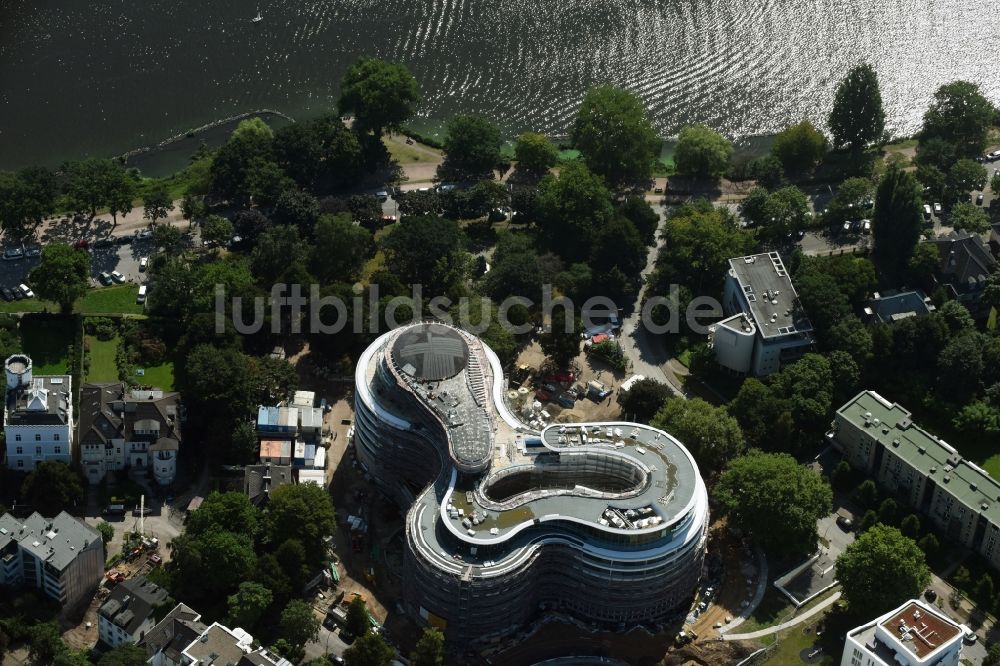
46,342
102,360
118,299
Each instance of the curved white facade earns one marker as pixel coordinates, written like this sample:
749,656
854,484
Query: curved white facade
606,521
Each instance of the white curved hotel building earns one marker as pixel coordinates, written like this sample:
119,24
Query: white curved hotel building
603,521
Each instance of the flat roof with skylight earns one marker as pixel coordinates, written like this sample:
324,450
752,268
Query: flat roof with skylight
767,288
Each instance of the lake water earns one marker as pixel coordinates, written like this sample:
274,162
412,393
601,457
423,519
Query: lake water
106,76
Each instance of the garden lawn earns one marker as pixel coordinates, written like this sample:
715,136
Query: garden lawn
992,466
161,376
102,360
118,299
46,341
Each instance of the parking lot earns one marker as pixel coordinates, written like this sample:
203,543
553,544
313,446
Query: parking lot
123,257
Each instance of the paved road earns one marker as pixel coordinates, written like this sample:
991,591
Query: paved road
644,350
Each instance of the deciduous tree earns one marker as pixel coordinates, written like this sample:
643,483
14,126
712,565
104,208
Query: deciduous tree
615,137
799,147
380,95
898,220
157,203
248,604
298,624
880,570
961,116
776,499
62,275
710,433
535,154
702,152
429,650
857,118
472,149
52,487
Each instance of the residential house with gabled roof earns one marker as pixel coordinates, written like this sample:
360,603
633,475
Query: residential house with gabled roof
123,428
966,265
128,613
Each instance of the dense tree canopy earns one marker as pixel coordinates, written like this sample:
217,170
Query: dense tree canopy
641,402
799,147
380,95
63,275
231,512
535,154
776,499
298,624
572,207
961,116
857,118
699,240
778,214
702,152
340,249
965,216
369,650
898,220
615,137
710,433
880,570
52,487
427,250
248,604
302,512
92,184
26,198
472,148
429,650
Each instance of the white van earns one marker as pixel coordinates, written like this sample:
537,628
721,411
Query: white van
141,298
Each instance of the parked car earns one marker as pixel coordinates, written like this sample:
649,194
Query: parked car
144,233
8,294
13,254
26,290
937,208
845,523
104,278
81,244
143,511
847,227
927,211
32,251
994,156
104,242
381,195
18,294
866,226
115,510
979,199
141,296
143,264
117,277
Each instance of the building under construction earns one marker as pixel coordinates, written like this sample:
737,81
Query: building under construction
606,522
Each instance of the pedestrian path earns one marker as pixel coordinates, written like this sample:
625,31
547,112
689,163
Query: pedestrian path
785,625
758,594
